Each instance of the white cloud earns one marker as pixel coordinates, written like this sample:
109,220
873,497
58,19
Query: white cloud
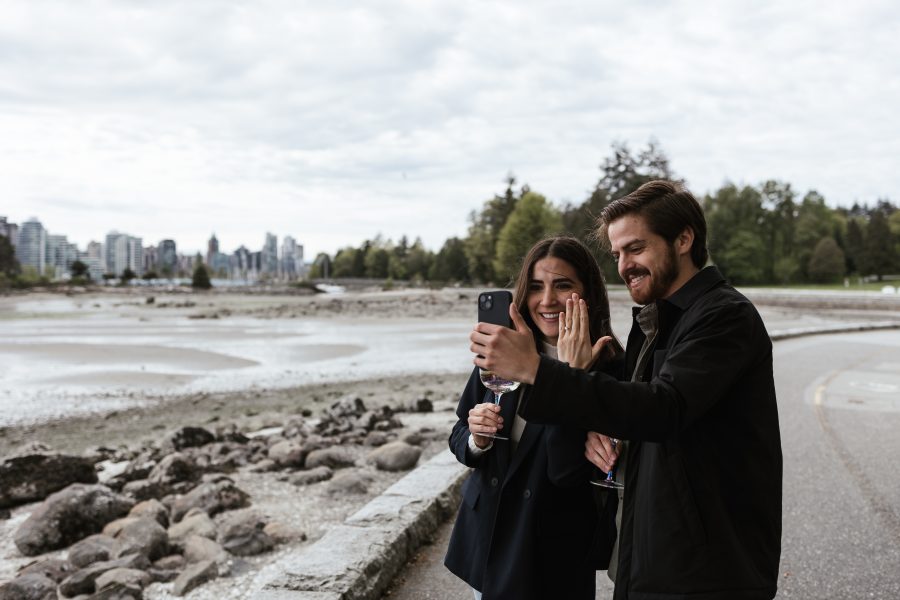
332,122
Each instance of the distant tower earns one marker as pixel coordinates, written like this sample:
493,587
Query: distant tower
212,248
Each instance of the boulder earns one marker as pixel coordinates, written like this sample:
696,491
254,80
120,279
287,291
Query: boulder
347,406
244,535
123,576
349,482
414,439
376,438
94,548
288,453
144,536
334,457
195,575
395,456
83,580
421,405
172,469
195,522
320,473
144,489
167,568
68,516
198,549
118,591
32,586
151,508
56,569
189,437
35,476
213,497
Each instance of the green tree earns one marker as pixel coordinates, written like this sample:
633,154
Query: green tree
8,263
778,200
856,249
345,262
418,261
128,275
532,219
377,259
150,275
450,263
200,279
79,269
321,267
745,259
826,263
728,212
485,228
815,221
879,248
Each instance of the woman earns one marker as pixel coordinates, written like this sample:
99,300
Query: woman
528,527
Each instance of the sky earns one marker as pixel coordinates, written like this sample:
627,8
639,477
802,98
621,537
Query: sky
334,122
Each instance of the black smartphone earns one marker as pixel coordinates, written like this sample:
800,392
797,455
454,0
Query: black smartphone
493,307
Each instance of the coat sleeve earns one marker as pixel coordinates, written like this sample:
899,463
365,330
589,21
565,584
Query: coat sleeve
459,436
694,374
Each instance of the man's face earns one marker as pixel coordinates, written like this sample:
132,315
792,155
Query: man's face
646,262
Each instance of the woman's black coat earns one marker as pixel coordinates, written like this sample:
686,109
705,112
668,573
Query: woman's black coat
528,526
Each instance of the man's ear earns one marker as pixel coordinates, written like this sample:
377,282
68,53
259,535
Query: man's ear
685,241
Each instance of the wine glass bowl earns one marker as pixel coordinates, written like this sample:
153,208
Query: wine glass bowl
499,386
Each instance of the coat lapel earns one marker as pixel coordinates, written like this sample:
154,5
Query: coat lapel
530,435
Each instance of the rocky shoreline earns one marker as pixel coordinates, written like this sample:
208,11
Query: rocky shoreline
205,505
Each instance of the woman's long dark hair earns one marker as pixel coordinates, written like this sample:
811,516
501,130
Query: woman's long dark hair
577,255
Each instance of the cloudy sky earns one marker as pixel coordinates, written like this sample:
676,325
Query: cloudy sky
336,121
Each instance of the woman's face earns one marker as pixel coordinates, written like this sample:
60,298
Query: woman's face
553,281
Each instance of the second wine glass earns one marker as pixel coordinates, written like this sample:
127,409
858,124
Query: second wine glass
499,386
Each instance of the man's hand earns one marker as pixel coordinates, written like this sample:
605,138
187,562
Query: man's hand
574,345
601,450
484,418
508,353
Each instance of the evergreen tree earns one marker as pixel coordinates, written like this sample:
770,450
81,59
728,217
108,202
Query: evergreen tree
484,231
826,263
880,258
450,263
8,263
200,279
855,254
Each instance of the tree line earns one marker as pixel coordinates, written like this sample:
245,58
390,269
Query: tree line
758,234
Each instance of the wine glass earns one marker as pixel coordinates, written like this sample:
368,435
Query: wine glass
610,481
499,386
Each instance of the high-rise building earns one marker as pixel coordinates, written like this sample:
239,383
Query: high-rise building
168,258
60,255
292,266
269,265
151,259
32,247
212,248
124,252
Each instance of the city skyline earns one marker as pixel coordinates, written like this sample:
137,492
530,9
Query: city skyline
340,123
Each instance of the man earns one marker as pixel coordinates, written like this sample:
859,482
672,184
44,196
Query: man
701,514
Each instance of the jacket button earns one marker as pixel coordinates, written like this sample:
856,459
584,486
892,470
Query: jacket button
494,481
527,494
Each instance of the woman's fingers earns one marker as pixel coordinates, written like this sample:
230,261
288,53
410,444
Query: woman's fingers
485,418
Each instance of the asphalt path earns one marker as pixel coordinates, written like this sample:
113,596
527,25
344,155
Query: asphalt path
839,409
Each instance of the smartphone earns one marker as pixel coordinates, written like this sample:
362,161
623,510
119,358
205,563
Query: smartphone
493,307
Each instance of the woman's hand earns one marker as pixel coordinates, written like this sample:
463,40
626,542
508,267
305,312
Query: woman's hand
574,343
484,418
601,451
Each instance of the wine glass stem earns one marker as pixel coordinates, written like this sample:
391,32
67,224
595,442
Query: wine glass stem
497,397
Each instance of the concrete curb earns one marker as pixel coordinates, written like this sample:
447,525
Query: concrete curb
358,559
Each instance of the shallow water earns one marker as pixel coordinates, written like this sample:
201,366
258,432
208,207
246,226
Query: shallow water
60,357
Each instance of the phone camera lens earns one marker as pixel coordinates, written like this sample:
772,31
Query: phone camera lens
486,302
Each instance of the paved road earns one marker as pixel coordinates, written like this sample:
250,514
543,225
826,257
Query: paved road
839,405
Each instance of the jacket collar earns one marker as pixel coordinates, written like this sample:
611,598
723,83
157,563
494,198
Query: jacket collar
704,280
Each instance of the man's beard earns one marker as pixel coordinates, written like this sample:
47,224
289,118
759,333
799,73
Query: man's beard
660,281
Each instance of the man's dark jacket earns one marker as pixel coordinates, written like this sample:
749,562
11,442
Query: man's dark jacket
702,511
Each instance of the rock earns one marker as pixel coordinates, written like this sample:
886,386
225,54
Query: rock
198,549
334,457
4,514
347,406
144,489
124,576
194,576
151,508
231,433
35,476
172,469
320,473
32,586
68,516
281,533
244,535
174,562
264,466
56,569
189,437
82,581
366,421
349,482
118,591
94,548
421,405
288,454
414,439
396,456
376,438
198,523
144,536
212,497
